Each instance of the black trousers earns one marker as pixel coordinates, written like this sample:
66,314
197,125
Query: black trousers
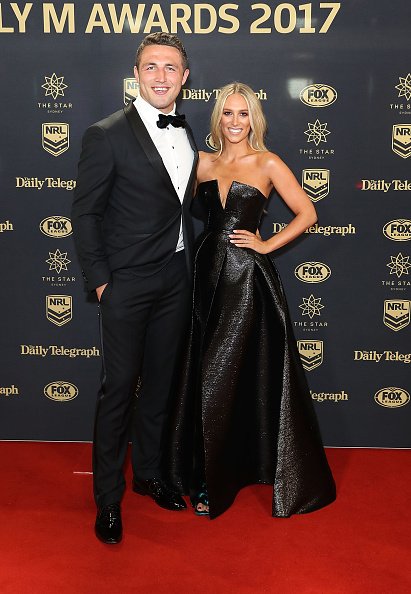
143,323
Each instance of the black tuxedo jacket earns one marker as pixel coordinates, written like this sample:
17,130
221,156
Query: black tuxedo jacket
126,212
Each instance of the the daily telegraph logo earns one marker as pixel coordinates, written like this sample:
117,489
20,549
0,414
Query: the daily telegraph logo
382,185
311,353
59,309
392,397
54,350
318,95
401,140
325,230
376,357
6,226
329,396
9,390
396,313
55,138
61,391
130,90
398,230
209,94
37,183
56,226
312,272
316,183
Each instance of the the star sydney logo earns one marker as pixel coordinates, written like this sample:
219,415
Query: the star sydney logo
404,87
54,86
317,132
58,261
311,306
399,265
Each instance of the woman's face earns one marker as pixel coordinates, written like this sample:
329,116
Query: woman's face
235,119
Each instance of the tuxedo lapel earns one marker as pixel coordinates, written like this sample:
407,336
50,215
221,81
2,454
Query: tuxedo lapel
193,173
148,146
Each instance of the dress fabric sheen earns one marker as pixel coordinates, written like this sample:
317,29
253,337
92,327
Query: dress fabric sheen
242,395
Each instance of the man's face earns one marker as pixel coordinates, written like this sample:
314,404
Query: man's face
160,76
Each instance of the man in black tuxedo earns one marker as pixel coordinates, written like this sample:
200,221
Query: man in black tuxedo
134,239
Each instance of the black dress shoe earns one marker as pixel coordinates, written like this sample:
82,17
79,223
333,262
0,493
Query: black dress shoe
108,527
160,492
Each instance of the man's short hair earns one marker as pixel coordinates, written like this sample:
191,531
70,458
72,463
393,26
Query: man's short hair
162,39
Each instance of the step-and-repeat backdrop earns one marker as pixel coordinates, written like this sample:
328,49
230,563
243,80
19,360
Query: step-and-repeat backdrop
334,79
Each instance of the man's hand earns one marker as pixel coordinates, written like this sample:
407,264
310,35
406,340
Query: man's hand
99,291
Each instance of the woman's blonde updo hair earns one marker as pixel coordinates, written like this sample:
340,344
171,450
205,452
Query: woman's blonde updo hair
257,119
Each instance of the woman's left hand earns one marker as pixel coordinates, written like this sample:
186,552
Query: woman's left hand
246,239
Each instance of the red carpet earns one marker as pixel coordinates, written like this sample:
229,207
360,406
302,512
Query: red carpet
360,544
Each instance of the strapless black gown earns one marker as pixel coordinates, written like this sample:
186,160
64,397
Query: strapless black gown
242,404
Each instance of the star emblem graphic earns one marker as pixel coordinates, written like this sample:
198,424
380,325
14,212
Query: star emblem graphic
54,86
405,87
58,261
317,132
399,265
311,306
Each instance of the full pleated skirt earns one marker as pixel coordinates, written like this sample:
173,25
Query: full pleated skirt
242,397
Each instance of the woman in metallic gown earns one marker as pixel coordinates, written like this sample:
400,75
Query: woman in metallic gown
243,412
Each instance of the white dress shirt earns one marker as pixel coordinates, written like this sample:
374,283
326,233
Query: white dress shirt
174,148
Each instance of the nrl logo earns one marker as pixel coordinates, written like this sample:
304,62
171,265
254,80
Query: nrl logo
311,353
55,138
59,309
130,90
401,140
316,183
396,313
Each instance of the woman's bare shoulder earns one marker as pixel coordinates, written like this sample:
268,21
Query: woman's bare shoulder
269,159
206,157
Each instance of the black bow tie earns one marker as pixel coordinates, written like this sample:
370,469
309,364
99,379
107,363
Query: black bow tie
178,121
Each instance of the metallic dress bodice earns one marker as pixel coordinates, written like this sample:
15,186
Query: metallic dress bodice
243,208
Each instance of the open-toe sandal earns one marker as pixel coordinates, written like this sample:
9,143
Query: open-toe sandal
200,498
